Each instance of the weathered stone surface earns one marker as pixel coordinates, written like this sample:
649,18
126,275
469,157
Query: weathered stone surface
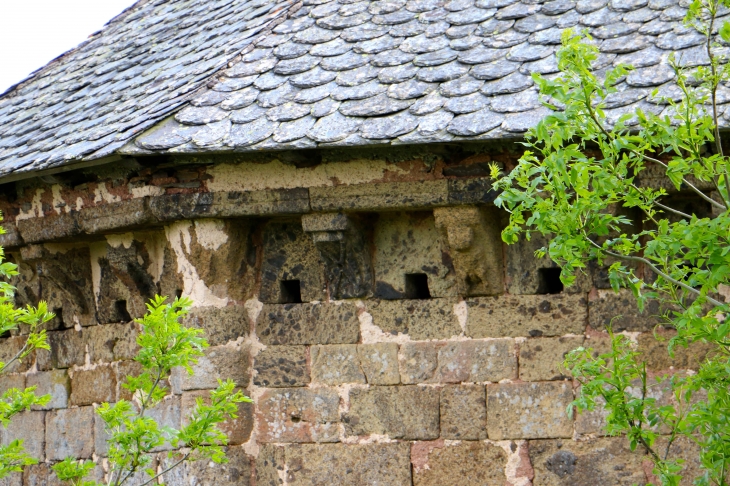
597,461
67,349
529,410
16,380
238,430
464,412
322,464
400,412
69,432
462,464
258,203
477,361
308,324
290,255
55,383
542,359
620,311
112,342
10,347
30,427
379,362
421,319
473,238
526,315
237,471
49,228
219,362
336,364
386,195
298,415
93,386
221,324
167,413
281,366
653,349
113,216
418,362
123,369
40,475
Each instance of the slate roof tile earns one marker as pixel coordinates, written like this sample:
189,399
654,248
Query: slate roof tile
217,75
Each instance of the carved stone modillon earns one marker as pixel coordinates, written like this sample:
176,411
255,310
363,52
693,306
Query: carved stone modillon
473,238
343,251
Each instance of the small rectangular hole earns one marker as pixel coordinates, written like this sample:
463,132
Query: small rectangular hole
122,313
417,286
291,292
549,281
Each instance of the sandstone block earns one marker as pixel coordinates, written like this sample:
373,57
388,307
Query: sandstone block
464,412
526,315
257,203
653,349
10,347
357,465
541,359
281,366
40,475
462,464
308,324
114,216
400,412
619,310
238,430
336,364
14,479
529,410
67,349
112,342
379,362
298,415
12,380
123,369
421,319
70,432
48,228
219,362
167,413
30,427
597,461
55,383
237,471
386,195
477,361
221,324
270,461
418,362
93,386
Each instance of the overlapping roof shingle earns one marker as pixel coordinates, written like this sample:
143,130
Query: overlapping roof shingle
331,73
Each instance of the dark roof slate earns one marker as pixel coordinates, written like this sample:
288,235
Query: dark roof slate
166,76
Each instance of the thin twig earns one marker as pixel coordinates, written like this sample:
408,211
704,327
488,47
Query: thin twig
167,470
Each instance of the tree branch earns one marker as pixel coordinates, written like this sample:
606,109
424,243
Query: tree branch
167,470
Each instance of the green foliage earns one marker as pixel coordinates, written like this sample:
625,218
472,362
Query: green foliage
164,344
579,182
14,401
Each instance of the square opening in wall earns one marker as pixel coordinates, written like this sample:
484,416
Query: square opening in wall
122,313
417,286
291,292
549,281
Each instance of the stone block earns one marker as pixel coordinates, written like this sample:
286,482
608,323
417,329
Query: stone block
476,190
235,472
369,464
269,463
379,362
221,324
123,369
541,359
115,216
298,415
654,350
30,428
526,315
529,410
461,464
167,413
67,349
620,311
418,362
400,412
55,383
259,203
219,362
464,412
409,244
10,237
281,366
292,324
289,254
10,347
12,380
421,319
686,450
13,479
69,432
238,429
336,364
97,385
386,195
49,228
40,475
180,206
112,342
477,361
597,461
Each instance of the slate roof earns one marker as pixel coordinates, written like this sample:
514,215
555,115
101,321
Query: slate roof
331,73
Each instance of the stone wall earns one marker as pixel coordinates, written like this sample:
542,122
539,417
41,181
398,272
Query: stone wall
384,339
